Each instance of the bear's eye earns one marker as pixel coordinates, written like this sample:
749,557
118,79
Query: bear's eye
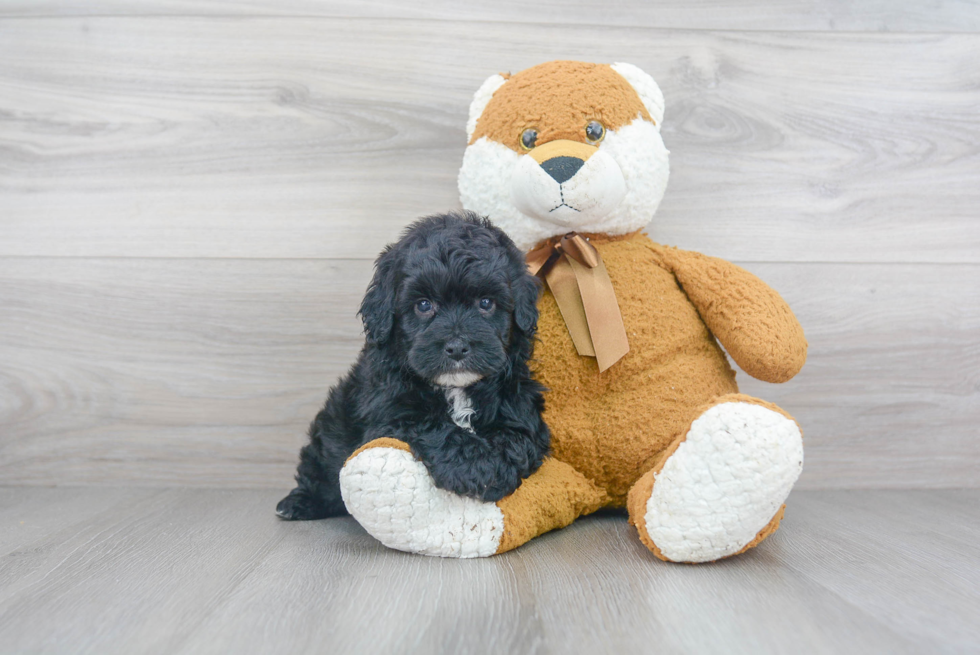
528,138
486,304
424,306
594,131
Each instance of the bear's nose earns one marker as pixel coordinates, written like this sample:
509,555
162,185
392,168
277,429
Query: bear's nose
457,349
562,168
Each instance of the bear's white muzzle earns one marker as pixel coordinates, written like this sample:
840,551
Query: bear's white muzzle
567,184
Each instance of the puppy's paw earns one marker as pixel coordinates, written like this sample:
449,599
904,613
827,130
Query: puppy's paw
300,505
482,481
487,473
392,495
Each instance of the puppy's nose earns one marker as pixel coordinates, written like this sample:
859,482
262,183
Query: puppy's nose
562,168
457,348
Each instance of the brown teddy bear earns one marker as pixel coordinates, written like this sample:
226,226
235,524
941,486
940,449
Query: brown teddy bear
644,410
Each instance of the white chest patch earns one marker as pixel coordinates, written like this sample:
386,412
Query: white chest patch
460,407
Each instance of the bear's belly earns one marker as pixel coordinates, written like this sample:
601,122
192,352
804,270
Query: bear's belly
612,426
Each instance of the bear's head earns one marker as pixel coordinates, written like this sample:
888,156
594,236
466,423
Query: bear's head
565,146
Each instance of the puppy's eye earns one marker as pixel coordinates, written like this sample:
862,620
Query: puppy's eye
486,304
424,306
528,138
594,131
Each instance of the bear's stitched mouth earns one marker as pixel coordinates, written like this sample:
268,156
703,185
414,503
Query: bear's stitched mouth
561,192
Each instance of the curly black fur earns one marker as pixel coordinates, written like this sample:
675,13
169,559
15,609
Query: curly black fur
453,261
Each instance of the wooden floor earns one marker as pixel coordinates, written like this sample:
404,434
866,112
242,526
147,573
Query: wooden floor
131,570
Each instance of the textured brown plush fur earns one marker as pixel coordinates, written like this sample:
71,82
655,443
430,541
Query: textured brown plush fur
552,498
743,312
566,96
615,426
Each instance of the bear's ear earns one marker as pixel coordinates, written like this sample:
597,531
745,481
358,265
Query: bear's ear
480,100
650,94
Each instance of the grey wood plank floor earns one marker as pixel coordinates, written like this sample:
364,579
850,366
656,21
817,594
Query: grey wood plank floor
130,570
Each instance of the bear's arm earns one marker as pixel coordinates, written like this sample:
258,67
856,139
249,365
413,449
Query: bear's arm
751,320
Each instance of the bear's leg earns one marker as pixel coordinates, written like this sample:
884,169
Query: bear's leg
719,488
392,496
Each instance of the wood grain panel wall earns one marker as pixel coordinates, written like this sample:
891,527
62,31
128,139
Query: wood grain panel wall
783,15
215,137
191,197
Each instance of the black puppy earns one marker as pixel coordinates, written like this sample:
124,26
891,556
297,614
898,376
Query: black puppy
450,318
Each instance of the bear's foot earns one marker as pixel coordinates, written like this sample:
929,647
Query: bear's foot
720,488
392,495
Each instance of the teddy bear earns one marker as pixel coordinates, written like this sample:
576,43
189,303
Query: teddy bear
645,414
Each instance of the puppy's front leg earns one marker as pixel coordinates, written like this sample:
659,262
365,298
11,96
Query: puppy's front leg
486,465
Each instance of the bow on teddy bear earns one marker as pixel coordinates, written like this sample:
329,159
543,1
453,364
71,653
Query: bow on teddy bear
570,147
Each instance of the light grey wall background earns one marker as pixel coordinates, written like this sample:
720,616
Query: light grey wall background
191,196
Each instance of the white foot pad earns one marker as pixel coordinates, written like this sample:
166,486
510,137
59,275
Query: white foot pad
393,497
724,483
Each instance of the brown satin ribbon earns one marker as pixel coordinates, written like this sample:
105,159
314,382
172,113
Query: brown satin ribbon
578,279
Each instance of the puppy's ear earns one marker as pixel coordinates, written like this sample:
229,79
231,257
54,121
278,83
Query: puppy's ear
526,290
378,307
